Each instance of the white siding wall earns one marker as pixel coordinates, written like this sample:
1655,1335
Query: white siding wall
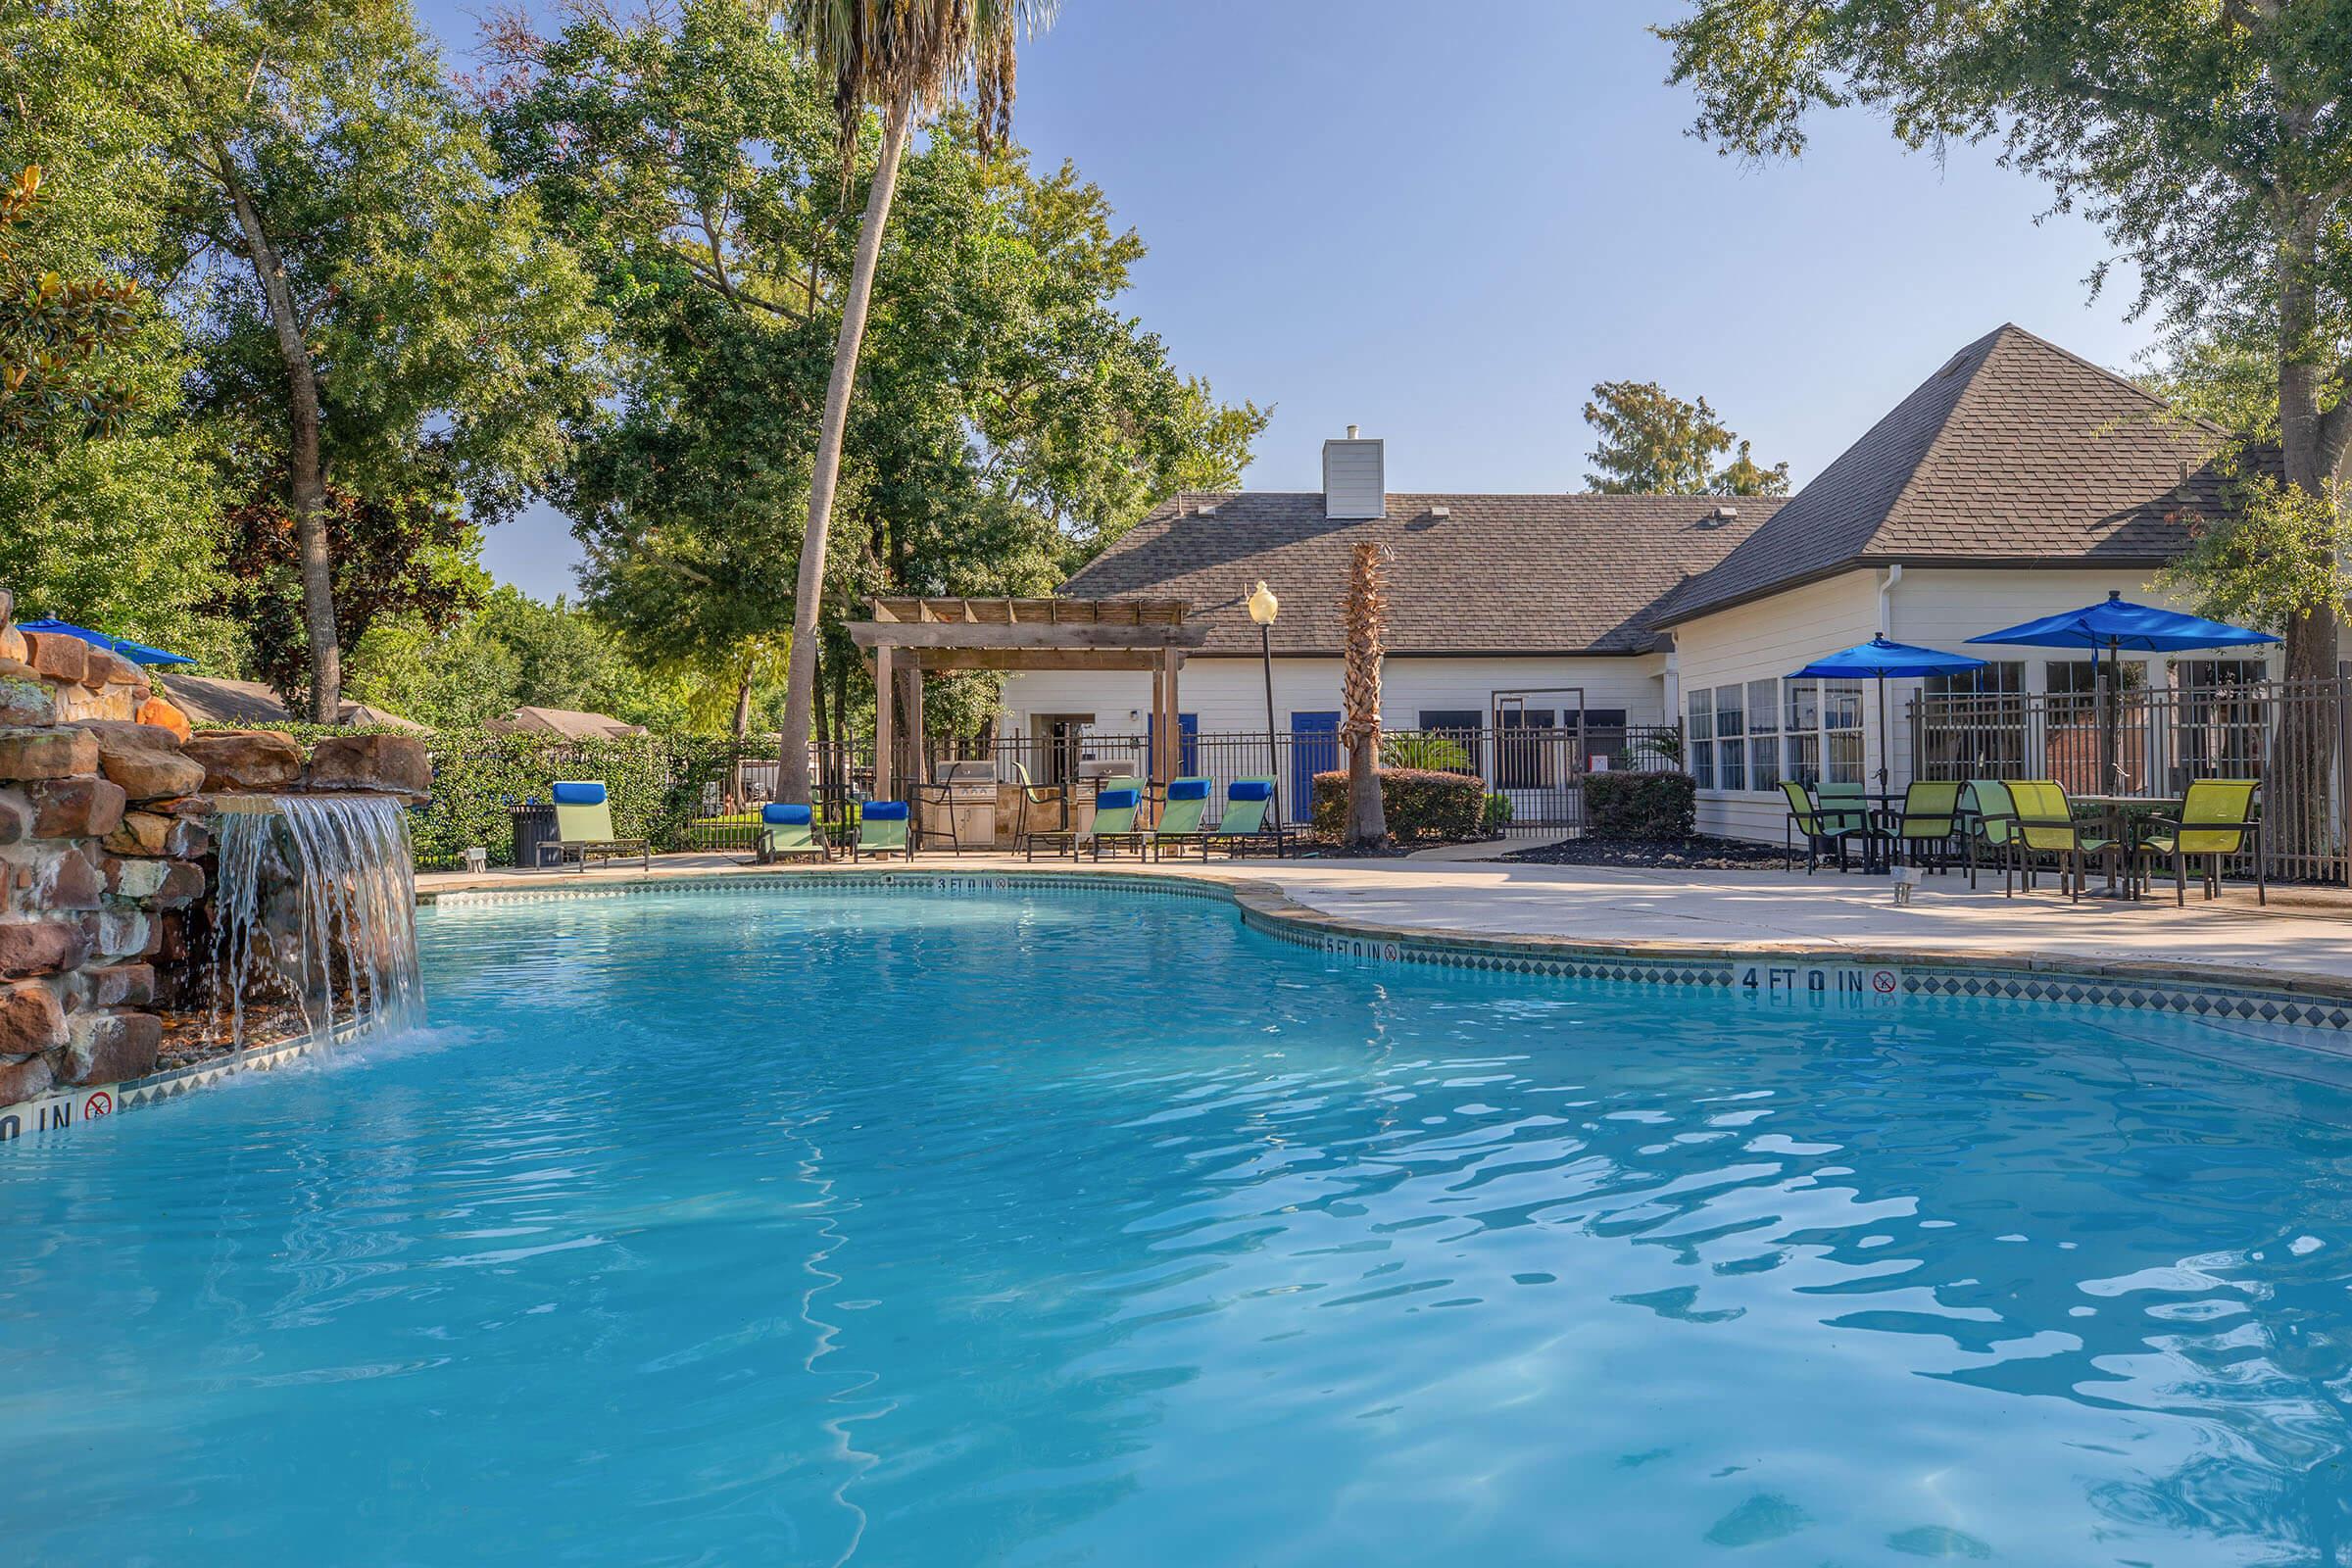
1933,607
1762,640
1229,695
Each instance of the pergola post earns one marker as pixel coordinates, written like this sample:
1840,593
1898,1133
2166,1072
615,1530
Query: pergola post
911,637
885,775
918,748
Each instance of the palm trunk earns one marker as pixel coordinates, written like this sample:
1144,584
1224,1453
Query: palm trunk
801,676
1367,826
306,471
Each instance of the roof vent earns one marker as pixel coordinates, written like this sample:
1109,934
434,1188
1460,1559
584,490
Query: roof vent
1207,508
1441,511
1719,516
1355,477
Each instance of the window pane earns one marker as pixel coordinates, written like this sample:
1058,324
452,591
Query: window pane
1730,713
1845,757
1842,704
1731,761
1763,706
1804,757
1702,715
1702,764
1804,704
1764,764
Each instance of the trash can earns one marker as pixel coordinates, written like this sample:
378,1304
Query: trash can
534,825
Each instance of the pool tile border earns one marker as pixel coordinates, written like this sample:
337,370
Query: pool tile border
1778,970
1876,974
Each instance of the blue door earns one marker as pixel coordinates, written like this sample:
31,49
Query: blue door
1314,748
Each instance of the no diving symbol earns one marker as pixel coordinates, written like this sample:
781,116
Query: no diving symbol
97,1105
1883,981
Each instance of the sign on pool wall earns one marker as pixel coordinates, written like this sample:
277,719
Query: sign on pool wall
1790,982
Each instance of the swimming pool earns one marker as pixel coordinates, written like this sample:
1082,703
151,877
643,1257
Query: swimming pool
1056,1228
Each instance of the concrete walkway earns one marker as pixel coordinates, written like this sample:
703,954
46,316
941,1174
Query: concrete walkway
1712,909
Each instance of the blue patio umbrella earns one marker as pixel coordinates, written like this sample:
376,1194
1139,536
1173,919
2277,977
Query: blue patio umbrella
2112,625
136,652
1880,659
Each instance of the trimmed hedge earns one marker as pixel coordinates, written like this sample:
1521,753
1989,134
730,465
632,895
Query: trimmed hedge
654,784
1421,804
1641,806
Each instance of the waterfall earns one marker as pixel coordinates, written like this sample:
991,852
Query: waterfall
315,914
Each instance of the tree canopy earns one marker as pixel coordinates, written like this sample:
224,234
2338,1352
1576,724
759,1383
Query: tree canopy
1653,443
2212,141
1010,419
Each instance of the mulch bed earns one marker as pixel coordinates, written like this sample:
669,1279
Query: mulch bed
1698,853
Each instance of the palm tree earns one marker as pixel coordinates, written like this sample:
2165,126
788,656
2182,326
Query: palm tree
909,57
1367,826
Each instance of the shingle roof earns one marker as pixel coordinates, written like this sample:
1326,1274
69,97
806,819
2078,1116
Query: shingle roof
2013,450
1507,573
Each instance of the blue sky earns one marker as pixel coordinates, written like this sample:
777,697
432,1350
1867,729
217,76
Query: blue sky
1359,217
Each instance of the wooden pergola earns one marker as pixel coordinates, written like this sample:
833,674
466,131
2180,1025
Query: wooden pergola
911,638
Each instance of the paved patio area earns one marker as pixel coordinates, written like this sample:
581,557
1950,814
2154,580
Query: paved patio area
2311,936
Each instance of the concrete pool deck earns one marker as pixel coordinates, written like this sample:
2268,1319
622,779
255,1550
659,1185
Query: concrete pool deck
2302,936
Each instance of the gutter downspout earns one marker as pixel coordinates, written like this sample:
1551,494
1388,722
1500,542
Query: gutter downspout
1887,587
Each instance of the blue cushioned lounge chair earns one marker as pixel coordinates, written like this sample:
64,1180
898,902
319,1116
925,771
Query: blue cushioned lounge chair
1244,828
882,830
584,827
789,830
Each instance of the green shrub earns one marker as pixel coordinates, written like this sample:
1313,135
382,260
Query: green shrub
653,783
1641,806
1426,751
1497,813
1422,804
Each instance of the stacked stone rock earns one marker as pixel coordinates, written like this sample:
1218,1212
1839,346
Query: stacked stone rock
100,832
104,800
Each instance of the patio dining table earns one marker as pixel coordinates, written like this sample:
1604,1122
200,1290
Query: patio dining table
2115,814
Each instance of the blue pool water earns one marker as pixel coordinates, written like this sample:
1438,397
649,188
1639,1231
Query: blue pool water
1089,1228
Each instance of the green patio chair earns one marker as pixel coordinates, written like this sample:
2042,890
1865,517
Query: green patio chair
1181,817
2217,818
882,829
2047,825
1244,827
1988,821
787,831
584,827
1032,794
1824,829
1115,811
1927,825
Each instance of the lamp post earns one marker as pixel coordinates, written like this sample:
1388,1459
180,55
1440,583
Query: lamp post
1262,607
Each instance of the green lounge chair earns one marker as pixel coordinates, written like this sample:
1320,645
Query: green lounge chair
786,831
1988,820
1824,829
1114,820
584,827
1927,824
1180,818
1065,840
1243,826
2217,818
2047,825
882,830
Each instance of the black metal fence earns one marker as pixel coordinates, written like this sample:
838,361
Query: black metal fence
2154,742
1539,772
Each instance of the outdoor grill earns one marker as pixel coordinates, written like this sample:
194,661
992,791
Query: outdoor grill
959,808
